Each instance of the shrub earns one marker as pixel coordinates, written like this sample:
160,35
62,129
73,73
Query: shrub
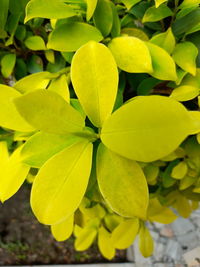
99,109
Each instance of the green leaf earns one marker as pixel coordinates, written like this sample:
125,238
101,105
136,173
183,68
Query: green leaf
4,4
7,64
180,170
42,146
32,82
130,3
49,113
116,26
57,189
163,65
146,243
35,43
71,36
95,77
185,93
60,86
131,54
62,231
159,2
125,233
185,55
9,116
157,13
147,128
189,3
122,183
91,6
103,17
50,9
165,40
13,173
105,244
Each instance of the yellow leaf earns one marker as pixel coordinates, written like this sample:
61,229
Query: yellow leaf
185,93
91,5
95,81
147,128
60,86
135,32
125,233
122,184
180,170
12,174
131,54
62,231
105,244
58,187
146,243
159,2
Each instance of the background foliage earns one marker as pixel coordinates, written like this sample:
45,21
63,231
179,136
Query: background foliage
66,65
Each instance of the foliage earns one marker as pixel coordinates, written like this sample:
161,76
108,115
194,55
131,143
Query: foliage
99,108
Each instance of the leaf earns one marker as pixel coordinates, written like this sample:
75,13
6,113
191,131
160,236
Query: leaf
159,2
63,230
3,13
147,128
151,173
105,244
135,32
131,54
112,221
58,188
7,64
156,13
49,113
195,116
42,146
99,82
189,3
163,65
185,55
50,9
35,43
125,233
9,116
185,93
85,239
103,17
71,36
130,3
180,170
146,243
122,184
60,86
13,173
116,25
165,40
91,6
159,213
32,82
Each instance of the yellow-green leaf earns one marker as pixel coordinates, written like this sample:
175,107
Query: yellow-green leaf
159,2
195,116
91,5
42,146
50,9
180,170
163,65
95,81
58,187
60,86
165,40
35,43
185,93
125,233
7,64
49,113
147,128
185,55
105,244
71,36
135,32
130,3
13,173
32,82
122,184
9,116
131,54
157,13
62,231
146,243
